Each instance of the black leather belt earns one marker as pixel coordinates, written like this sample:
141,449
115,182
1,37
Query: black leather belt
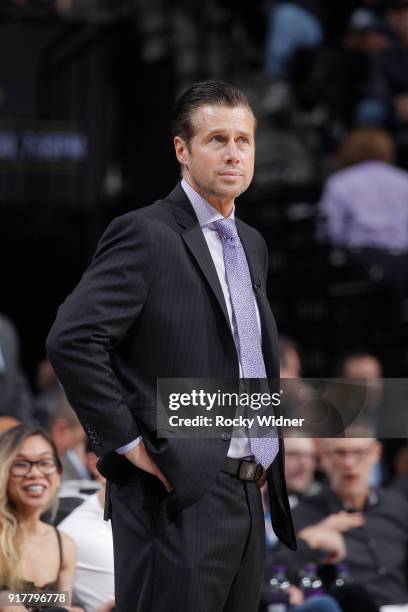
243,469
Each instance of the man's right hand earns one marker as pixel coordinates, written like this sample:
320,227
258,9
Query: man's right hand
141,459
343,521
320,538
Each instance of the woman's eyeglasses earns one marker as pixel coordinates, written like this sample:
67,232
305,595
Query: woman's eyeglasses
46,466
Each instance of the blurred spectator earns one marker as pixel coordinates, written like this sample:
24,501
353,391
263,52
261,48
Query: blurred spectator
372,523
386,99
367,32
397,17
394,64
296,391
363,366
94,576
292,25
34,556
69,438
290,364
300,466
366,368
7,423
331,81
364,204
74,492
15,394
367,37
49,392
364,211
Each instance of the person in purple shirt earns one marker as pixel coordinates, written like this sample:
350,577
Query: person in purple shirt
364,211
365,203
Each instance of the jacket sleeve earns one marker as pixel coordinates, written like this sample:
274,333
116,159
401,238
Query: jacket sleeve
89,325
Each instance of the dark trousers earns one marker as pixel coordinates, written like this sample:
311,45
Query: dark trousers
208,557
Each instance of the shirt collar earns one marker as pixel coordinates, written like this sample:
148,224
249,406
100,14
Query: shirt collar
336,504
205,213
372,500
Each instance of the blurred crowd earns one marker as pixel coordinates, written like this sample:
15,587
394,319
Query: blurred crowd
355,75
349,497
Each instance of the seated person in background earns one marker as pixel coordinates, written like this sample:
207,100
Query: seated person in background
291,370
7,422
364,203
15,394
371,523
292,25
48,390
69,438
34,556
300,466
74,492
290,363
94,575
361,365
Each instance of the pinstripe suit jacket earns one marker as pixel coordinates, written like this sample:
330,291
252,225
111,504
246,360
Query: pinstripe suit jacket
150,306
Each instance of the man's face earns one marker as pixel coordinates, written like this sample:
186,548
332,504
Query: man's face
300,463
219,159
348,463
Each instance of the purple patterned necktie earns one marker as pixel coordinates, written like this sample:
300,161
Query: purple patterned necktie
244,314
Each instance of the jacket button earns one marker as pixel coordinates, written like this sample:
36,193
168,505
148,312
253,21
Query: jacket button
225,436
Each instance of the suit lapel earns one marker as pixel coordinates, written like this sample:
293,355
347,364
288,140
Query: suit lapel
194,239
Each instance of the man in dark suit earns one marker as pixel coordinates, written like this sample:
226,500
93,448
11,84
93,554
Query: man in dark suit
177,290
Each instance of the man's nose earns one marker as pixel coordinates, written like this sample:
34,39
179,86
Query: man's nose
232,151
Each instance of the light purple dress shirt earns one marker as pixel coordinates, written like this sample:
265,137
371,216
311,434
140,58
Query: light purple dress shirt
366,205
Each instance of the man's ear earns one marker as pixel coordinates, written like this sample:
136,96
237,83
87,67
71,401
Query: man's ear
181,148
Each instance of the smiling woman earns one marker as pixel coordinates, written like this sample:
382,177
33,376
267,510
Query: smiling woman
34,556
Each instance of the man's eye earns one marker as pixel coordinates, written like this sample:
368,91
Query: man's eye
218,138
244,139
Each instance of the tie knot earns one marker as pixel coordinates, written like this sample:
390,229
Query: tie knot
225,228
